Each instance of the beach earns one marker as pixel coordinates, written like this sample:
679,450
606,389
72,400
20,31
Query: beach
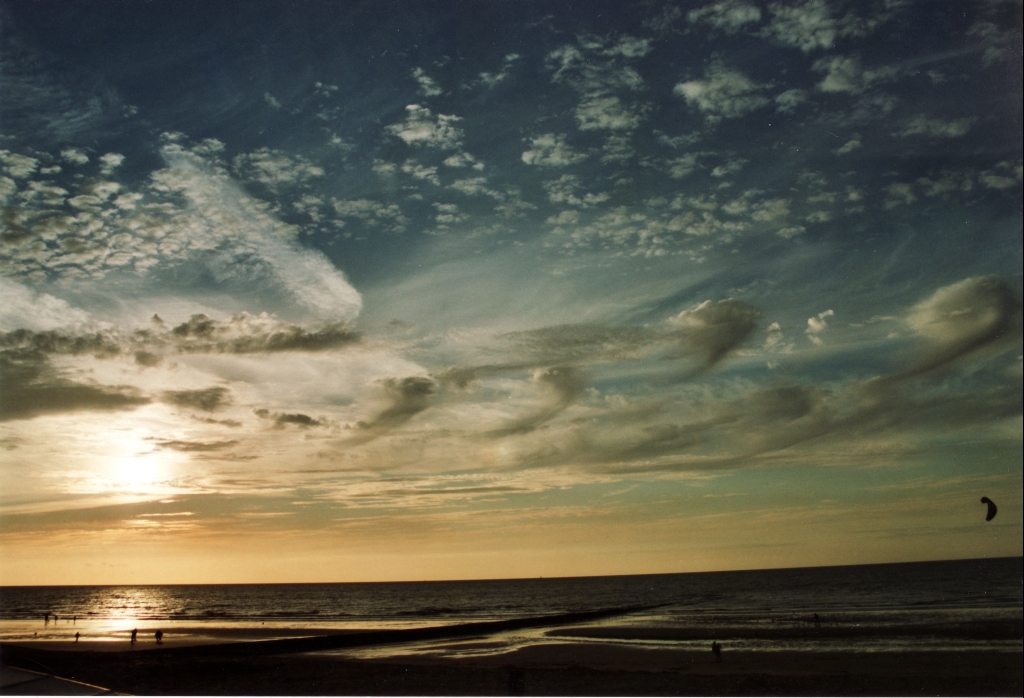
947,628
559,665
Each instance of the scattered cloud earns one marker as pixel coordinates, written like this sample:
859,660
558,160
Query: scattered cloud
493,79
207,400
428,87
274,168
729,16
964,318
846,74
816,325
710,330
922,125
551,150
422,128
722,94
788,101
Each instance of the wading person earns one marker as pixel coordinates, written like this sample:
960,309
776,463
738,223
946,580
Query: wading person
717,649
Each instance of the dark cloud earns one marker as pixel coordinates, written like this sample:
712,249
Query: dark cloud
711,330
99,344
409,396
564,386
30,388
194,446
282,419
208,400
246,334
706,333
233,423
964,318
243,334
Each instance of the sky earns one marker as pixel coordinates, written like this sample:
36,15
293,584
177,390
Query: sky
395,290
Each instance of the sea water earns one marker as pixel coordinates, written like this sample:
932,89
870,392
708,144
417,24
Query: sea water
964,604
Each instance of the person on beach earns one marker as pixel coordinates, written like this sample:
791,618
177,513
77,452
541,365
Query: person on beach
159,634
717,649
76,637
46,619
135,634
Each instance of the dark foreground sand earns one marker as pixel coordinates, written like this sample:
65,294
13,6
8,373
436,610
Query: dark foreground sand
547,669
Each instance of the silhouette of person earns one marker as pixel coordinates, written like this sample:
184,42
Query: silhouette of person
135,633
46,619
717,649
55,618
76,637
159,634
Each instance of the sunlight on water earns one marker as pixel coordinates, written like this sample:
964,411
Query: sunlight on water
949,605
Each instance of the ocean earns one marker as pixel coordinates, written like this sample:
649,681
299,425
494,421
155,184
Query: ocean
959,605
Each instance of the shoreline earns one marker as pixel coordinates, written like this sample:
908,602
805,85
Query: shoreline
556,668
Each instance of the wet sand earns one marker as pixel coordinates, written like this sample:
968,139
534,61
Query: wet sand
555,668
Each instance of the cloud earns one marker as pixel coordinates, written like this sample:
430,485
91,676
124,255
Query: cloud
578,344
922,125
418,171
194,446
964,318
846,74
789,100
598,69
722,94
463,160
848,147
207,400
110,162
729,16
371,212
551,150
813,24
731,166
600,112
243,334
271,100
24,308
564,191
492,79
248,244
1003,176
563,386
899,194
682,166
475,186
422,128
407,396
807,26
710,330
249,334
31,388
428,88
18,166
282,419
816,325
274,168
75,156
770,210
